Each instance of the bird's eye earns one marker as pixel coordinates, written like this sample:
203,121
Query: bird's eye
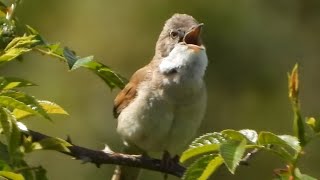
174,34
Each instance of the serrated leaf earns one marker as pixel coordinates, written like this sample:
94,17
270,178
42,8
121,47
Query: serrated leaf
251,135
213,165
233,134
12,82
11,175
207,143
292,141
232,152
285,141
11,103
195,170
28,100
314,124
52,144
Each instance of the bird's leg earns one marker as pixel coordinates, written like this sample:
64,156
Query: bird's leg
167,161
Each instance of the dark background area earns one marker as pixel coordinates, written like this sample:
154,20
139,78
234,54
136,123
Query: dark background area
251,46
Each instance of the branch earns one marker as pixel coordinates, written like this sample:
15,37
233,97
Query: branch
140,161
100,157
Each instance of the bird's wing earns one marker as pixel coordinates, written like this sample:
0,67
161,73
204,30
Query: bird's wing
129,92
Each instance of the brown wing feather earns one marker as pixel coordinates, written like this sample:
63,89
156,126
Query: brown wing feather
129,92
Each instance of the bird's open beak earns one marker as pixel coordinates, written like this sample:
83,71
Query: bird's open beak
193,36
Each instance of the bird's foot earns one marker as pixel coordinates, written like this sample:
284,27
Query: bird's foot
167,161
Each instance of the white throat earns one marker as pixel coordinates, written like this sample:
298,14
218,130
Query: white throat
185,60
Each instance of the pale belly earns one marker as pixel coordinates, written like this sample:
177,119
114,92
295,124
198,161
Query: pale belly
163,123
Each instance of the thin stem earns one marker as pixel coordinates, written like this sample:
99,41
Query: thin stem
49,53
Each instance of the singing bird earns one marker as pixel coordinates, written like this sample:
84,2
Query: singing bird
162,106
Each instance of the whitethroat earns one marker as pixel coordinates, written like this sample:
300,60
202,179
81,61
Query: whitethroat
162,106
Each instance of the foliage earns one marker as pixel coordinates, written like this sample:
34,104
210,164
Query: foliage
16,106
228,147
207,153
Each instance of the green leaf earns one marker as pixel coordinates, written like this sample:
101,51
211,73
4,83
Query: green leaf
111,78
17,47
52,108
314,124
251,135
213,165
291,141
49,107
11,103
4,166
232,152
285,141
281,145
12,133
207,143
28,100
11,175
25,41
70,57
4,154
12,82
12,54
195,170
301,176
52,144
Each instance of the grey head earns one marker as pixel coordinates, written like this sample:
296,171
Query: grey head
179,28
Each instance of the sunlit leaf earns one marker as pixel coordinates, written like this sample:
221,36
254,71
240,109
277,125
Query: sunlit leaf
11,103
207,143
233,134
12,54
213,165
52,144
52,108
28,100
292,141
251,135
11,175
12,82
285,141
232,152
195,170
49,107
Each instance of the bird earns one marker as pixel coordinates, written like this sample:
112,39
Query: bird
163,104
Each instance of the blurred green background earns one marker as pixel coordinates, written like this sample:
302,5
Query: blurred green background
251,46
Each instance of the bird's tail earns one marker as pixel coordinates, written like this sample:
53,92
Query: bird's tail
126,172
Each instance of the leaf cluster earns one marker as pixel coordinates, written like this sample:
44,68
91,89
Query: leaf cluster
16,106
231,147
